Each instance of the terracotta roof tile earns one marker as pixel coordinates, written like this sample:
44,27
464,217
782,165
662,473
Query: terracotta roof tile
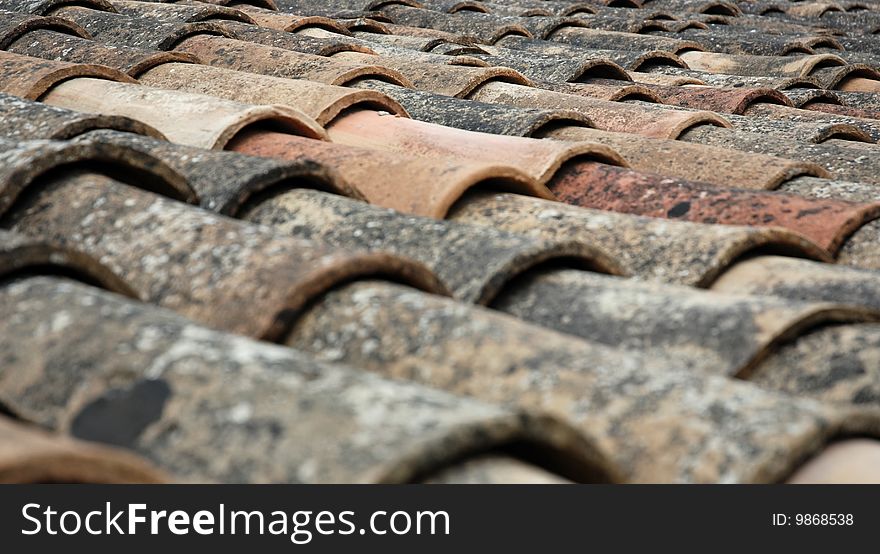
31,455
571,174
177,369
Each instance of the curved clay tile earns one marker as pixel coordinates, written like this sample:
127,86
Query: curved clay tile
419,185
837,109
24,163
55,46
290,22
745,42
25,120
278,62
735,101
812,128
812,10
30,455
552,68
45,7
842,159
474,263
864,100
149,34
419,32
738,64
802,97
264,4
802,280
326,45
651,249
226,274
828,223
184,13
711,7
778,83
190,119
642,119
603,89
543,27
597,39
13,26
667,322
375,24
321,102
226,181
520,10
228,400
485,27
476,116
762,439
22,255
451,80
453,6
299,6
852,78
32,78
539,159
726,167
453,47
794,115
860,249
665,80
802,367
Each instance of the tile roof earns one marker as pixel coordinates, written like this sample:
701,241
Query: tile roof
439,241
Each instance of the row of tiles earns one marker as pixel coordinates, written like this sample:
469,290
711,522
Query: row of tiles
372,302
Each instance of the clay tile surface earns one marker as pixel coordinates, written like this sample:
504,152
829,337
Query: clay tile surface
31,78
279,62
290,271
30,455
15,25
445,227
51,45
25,120
265,437
185,118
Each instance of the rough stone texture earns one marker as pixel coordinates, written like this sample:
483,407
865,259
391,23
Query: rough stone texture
278,62
539,159
26,120
473,262
802,280
826,222
794,115
657,423
323,103
218,271
209,407
642,119
836,108
744,42
29,455
705,332
476,116
182,117
648,248
51,45
325,46
840,158
415,184
224,182
22,164
31,78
